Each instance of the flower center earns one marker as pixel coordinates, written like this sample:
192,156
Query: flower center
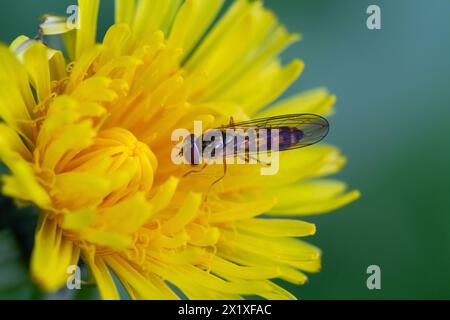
115,167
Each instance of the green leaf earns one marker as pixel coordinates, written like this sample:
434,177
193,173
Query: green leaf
15,282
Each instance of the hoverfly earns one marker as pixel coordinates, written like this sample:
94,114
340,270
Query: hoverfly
293,131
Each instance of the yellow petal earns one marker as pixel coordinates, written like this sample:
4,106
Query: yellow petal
108,239
294,165
154,15
312,197
124,11
164,194
324,206
167,22
95,89
75,190
52,254
278,249
60,131
234,83
80,219
306,192
229,269
191,22
71,137
317,101
12,72
241,66
226,24
242,210
278,293
117,39
80,70
20,45
202,236
308,266
14,112
56,61
188,255
273,82
185,214
88,11
36,62
141,286
10,140
201,283
22,183
57,65
127,216
278,227
103,278
159,284
242,257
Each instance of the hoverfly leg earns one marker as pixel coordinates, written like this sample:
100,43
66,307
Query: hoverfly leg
218,180
248,157
268,164
195,171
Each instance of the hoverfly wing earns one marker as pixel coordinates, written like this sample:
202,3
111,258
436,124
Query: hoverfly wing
294,130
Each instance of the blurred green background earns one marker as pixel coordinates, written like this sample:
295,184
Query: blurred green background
392,121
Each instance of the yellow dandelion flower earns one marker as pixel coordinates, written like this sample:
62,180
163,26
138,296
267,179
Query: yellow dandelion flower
86,138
